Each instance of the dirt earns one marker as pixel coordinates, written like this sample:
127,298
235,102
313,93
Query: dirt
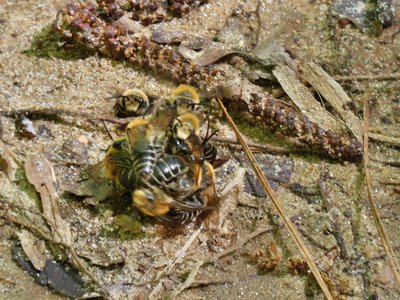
335,222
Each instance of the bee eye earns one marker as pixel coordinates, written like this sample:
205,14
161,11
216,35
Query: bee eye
150,198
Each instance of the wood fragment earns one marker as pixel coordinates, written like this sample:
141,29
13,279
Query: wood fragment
390,254
277,204
304,99
334,94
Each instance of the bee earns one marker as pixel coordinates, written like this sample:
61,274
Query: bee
184,98
117,163
209,149
179,132
152,201
131,103
178,217
171,173
155,202
130,159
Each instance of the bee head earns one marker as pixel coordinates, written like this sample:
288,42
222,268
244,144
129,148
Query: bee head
184,97
131,103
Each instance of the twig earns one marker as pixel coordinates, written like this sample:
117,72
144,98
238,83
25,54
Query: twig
395,164
42,234
392,260
217,256
203,283
188,280
159,286
384,138
255,147
53,113
240,244
394,76
276,202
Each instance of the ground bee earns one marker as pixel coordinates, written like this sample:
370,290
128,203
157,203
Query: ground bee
152,201
184,98
131,103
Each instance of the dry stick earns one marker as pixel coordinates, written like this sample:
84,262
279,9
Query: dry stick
192,276
393,262
76,257
394,76
55,113
258,147
158,288
276,202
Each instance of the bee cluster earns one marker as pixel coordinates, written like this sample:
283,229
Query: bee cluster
99,27
161,159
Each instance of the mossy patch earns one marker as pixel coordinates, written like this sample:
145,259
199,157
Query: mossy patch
48,43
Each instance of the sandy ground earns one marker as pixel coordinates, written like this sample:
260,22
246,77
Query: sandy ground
340,219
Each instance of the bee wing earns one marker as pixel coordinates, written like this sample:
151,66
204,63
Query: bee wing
219,162
135,132
211,219
99,171
163,119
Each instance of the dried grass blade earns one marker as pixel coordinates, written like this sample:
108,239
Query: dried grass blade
276,202
392,260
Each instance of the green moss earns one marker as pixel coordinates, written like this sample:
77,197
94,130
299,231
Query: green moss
48,43
311,289
258,133
24,186
373,27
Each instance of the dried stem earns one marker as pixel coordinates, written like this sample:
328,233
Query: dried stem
54,113
395,76
276,202
192,276
255,147
392,260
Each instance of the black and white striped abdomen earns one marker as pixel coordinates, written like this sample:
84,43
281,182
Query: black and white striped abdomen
167,169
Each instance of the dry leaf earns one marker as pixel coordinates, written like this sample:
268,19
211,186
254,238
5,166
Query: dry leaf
304,99
40,174
34,248
334,94
8,163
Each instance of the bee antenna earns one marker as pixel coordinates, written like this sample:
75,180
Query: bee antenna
112,97
208,137
108,132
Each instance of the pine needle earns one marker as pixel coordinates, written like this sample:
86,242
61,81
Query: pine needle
392,260
277,203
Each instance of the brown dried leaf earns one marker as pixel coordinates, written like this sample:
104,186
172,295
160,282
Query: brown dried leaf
333,94
34,248
304,99
40,174
8,162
